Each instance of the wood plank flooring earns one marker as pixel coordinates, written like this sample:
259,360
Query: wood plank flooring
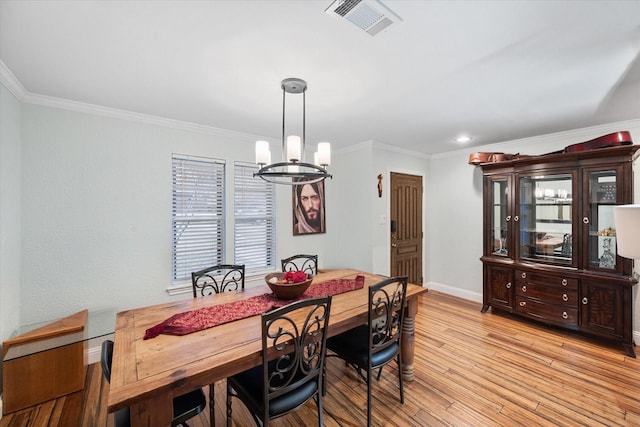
472,369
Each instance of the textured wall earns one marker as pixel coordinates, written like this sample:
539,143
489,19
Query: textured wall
96,209
10,247
96,223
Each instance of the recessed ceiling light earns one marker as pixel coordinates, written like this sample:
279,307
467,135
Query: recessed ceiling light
463,139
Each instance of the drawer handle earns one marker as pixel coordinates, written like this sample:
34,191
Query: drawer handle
565,297
516,218
585,300
509,285
508,218
524,289
585,220
523,303
564,282
523,275
565,315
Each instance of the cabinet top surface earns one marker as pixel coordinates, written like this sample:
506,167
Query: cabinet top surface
39,337
556,157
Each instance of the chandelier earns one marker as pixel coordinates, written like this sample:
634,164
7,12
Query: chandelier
293,170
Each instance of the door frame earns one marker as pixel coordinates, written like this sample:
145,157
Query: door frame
425,230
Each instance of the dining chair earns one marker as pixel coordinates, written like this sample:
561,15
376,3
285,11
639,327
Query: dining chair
373,345
217,279
301,262
185,406
214,280
293,353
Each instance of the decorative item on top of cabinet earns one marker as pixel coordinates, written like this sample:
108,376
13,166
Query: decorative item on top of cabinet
549,241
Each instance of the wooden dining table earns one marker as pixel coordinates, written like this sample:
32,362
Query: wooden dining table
147,374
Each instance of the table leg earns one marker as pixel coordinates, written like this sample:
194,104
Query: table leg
154,412
408,339
212,405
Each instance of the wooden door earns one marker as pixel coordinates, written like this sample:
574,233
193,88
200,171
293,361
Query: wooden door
406,226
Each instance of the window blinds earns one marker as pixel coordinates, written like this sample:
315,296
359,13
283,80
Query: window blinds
197,214
254,219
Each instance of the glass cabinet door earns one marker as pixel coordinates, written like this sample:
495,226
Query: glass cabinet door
545,218
603,194
499,216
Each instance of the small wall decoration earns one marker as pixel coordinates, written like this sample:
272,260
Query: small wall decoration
379,185
308,208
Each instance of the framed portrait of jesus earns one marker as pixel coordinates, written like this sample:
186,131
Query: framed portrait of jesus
308,208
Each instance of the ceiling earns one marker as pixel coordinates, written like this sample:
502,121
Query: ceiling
496,70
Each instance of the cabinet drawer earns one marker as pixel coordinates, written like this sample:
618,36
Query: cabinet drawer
545,279
542,311
549,294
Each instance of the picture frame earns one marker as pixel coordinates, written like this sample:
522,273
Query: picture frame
308,208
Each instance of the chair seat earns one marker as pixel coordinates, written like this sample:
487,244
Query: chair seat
122,418
248,384
353,345
188,405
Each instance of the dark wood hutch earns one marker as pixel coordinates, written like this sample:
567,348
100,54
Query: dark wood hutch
549,241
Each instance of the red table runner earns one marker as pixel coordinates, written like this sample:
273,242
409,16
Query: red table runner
208,317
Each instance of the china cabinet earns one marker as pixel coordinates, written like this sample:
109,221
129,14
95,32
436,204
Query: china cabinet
550,241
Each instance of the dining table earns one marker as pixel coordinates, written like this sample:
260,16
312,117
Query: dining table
146,374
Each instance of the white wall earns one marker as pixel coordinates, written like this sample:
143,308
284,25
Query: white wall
387,159
349,209
94,193
96,199
358,237
96,218
10,246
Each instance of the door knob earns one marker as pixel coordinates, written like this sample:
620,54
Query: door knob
393,245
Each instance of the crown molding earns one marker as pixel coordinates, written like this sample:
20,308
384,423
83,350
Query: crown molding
11,82
99,110
17,89
388,147
372,144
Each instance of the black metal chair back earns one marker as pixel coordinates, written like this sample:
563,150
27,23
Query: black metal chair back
301,262
386,314
374,345
293,354
217,279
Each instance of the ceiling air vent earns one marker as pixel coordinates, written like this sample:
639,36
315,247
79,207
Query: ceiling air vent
368,15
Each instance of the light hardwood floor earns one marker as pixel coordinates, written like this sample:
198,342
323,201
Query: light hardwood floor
472,369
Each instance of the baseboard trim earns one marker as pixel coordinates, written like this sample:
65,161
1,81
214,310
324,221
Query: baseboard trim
93,354
456,292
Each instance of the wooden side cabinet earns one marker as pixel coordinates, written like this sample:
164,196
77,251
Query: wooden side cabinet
607,311
44,363
498,283
48,360
550,241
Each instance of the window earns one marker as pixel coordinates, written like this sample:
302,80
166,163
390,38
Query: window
197,214
254,213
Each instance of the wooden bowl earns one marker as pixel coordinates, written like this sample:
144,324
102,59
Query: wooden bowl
287,291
